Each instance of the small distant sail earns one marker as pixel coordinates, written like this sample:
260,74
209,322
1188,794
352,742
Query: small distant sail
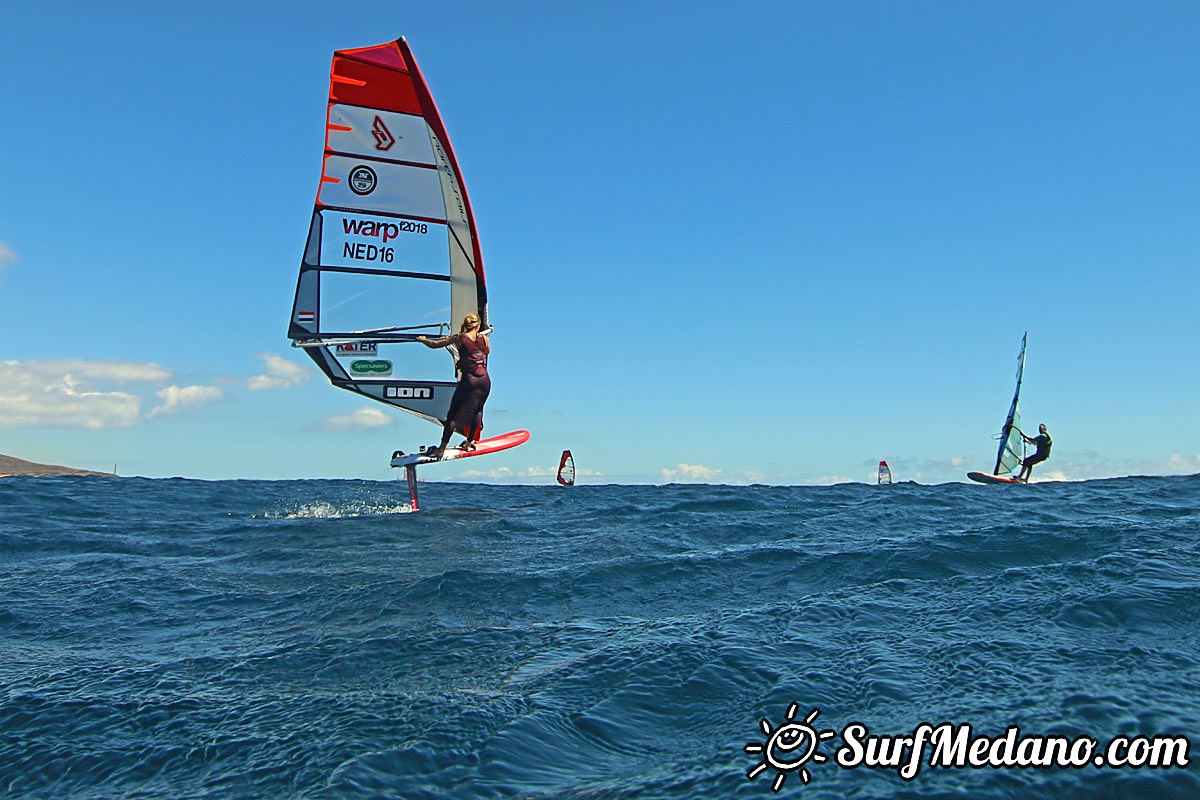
885,474
1012,443
566,469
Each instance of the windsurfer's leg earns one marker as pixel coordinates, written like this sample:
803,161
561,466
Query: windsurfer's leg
447,430
482,389
1027,467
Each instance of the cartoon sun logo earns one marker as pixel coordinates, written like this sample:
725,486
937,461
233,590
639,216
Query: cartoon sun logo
781,747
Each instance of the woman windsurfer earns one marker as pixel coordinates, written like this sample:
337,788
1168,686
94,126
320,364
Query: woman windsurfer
474,383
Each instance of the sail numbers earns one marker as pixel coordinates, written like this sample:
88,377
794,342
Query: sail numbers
368,252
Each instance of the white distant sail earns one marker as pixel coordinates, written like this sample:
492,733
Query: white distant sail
885,473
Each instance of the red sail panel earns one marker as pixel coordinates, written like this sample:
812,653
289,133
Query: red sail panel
357,83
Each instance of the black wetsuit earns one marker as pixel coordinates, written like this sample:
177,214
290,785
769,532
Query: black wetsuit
474,385
1043,442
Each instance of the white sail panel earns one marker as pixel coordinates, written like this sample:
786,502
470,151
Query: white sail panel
378,186
362,240
356,302
376,134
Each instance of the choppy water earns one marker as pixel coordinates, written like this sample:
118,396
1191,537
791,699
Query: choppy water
310,639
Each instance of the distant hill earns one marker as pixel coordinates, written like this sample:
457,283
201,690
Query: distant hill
10,467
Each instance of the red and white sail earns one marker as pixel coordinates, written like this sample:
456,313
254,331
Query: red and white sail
566,469
392,250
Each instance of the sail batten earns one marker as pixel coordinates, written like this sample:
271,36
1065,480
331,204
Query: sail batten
392,245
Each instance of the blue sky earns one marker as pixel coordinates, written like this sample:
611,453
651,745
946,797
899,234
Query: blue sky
761,241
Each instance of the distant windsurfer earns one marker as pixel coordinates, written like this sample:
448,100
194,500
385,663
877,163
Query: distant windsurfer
1042,442
474,384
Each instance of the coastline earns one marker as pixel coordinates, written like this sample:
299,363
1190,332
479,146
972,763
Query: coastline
11,467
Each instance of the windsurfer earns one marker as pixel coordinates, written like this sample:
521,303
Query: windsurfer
474,383
1042,441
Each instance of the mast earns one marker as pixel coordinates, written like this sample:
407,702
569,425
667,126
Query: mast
1012,443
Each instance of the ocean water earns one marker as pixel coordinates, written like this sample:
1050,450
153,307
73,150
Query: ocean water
312,639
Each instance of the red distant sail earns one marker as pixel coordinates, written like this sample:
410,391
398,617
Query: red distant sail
566,469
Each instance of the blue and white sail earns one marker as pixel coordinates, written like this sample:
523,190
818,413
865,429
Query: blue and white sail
1012,443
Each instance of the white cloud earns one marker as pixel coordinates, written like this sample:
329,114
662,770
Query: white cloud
691,472
828,480
1179,464
501,473
178,397
550,472
94,371
1088,465
361,420
1079,465
697,473
7,255
71,393
280,374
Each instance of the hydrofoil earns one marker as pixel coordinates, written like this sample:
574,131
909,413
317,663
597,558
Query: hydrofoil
410,461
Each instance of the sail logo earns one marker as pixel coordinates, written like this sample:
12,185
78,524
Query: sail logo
362,180
357,349
383,137
408,392
365,367
384,231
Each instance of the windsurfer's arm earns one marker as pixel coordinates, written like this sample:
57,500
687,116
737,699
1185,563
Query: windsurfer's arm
435,343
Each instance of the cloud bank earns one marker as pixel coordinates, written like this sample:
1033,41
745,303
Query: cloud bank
361,420
280,374
697,473
71,393
7,255
92,395
179,397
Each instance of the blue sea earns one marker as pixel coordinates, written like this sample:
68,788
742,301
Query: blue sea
312,639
